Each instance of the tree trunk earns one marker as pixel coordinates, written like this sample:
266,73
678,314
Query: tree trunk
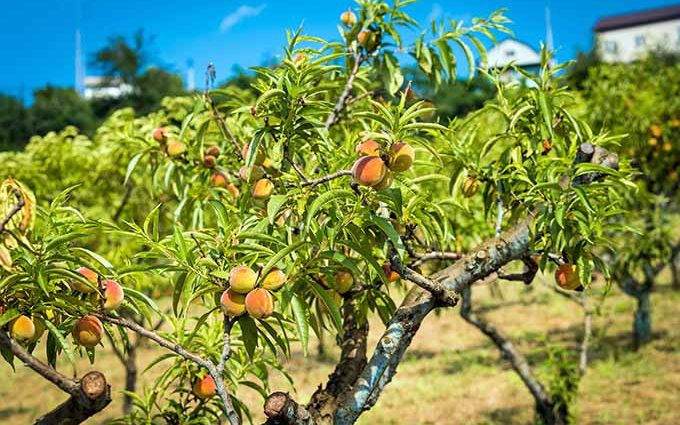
675,271
642,323
547,411
93,396
130,377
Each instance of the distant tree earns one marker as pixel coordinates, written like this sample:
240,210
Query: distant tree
123,60
577,73
55,107
152,86
15,127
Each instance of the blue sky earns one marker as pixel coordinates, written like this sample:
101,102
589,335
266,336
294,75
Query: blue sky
37,36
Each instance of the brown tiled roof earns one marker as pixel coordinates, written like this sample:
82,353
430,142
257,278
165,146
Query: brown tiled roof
637,18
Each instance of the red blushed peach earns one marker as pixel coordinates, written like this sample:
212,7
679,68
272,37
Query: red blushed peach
88,331
368,148
368,170
233,190
218,179
209,161
212,151
390,274
242,279
113,294
233,304
158,134
260,303
91,277
22,328
401,157
205,387
274,280
567,277
263,189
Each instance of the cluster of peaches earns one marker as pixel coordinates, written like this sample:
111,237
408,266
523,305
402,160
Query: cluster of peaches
88,330
375,167
368,38
251,293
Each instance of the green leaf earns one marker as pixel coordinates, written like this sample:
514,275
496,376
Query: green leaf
131,166
274,205
98,258
249,335
273,261
300,312
324,199
330,303
63,343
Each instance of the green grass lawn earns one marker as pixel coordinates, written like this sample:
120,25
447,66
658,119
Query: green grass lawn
453,375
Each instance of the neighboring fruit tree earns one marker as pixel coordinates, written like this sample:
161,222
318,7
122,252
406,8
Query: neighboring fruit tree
307,208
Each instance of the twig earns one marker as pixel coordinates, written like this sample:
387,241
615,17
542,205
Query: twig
320,180
222,124
298,170
123,202
15,209
499,217
527,276
340,105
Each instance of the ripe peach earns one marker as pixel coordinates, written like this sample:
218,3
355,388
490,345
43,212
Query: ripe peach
256,173
401,157
263,189
567,277
22,328
274,280
260,303
260,156
209,161
390,274
368,170
368,39
233,304
88,274
175,148
343,282
158,134
368,148
667,147
212,151
113,294
233,190
470,187
348,18
655,129
242,279
205,387
675,123
219,180
386,182
88,331
652,141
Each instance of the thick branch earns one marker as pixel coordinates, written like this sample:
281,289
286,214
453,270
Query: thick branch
226,347
92,395
443,296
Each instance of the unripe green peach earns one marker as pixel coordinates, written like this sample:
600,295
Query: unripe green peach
159,134
343,282
233,304
260,155
175,148
368,170
40,328
209,161
386,182
88,274
242,279
567,277
470,187
401,157
256,173
260,303
205,387
88,331
113,294
348,18
274,280
390,274
263,189
22,328
212,151
218,179
368,148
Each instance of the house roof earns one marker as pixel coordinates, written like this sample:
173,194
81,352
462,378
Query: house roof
637,18
512,50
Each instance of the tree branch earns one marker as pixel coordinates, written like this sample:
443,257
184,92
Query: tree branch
320,180
11,213
527,276
340,104
436,255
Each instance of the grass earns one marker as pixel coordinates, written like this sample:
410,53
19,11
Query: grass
453,375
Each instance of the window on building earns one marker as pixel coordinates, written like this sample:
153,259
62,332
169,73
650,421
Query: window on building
640,41
510,53
611,47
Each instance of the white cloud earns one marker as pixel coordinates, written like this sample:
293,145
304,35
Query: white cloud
435,13
240,14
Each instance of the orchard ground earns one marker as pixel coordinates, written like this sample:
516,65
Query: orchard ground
452,375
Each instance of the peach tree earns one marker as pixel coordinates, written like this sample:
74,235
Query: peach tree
323,200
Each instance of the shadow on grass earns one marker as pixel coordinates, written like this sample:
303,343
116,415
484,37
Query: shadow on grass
504,416
8,412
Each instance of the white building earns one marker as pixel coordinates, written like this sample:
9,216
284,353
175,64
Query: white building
516,52
100,87
625,38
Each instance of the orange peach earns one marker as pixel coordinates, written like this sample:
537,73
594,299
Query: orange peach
205,387
175,148
368,39
262,189
260,303
233,190
158,134
22,328
567,277
655,129
390,274
401,157
274,280
348,18
113,294
233,304
88,331
242,279
368,148
91,277
218,179
368,170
